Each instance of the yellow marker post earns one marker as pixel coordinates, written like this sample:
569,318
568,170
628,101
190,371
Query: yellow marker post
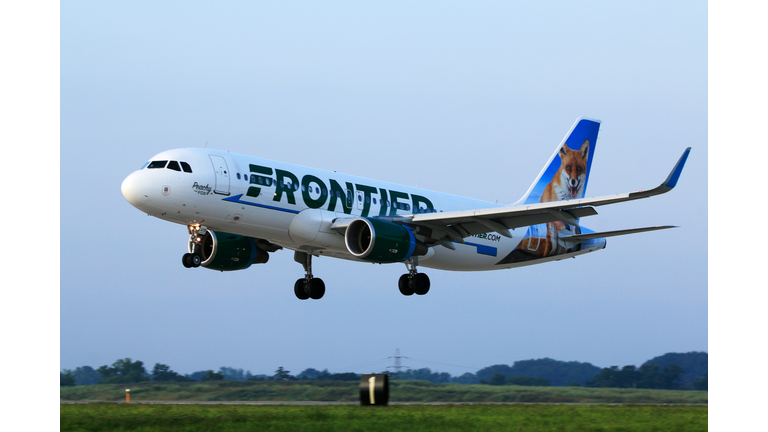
127,395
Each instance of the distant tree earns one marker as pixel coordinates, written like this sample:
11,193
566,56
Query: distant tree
66,378
528,381
425,374
607,377
701,383
86,375
670,377
466,378
497,379
308,374
558,373
210,375
650,377
123,372
485,374
694,364
163,372
260,377
232,374
197,376
283,375
345,376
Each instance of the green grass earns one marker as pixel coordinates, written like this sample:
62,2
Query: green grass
400,391
182,418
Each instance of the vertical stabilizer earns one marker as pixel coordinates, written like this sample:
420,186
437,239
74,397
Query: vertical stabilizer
566,174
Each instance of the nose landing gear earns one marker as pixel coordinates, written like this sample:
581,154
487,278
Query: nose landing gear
194,258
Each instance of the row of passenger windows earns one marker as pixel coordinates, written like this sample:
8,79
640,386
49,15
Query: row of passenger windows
171,165
267,181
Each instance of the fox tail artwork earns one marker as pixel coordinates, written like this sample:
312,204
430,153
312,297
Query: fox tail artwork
239,210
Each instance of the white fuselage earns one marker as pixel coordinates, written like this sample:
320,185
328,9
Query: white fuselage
294,206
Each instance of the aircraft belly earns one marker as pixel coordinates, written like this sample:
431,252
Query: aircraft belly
475,254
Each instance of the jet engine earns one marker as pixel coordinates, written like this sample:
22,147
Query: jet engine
225,252
380,241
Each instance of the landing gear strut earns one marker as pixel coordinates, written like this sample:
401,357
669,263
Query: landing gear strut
413,282
308,286
195,258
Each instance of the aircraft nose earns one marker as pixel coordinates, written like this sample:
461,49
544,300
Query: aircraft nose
133,189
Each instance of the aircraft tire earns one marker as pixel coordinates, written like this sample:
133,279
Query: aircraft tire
195,260
186,260
404,284
300,290
420,283
316,288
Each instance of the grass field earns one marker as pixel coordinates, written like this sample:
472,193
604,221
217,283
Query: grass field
400,391
150,418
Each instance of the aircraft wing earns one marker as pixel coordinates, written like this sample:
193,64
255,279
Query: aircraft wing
455,225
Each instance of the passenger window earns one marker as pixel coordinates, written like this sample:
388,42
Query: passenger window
185,166
173,165
157,164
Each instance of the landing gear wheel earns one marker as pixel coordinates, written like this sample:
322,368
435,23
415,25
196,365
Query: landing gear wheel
186,260
420,283
300,290
195,260
316,288
405,285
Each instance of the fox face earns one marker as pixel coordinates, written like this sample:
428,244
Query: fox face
568,182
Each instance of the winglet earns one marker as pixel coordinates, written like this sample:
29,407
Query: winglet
669,183
675,174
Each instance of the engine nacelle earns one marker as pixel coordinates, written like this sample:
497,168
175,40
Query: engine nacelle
226,252
380,241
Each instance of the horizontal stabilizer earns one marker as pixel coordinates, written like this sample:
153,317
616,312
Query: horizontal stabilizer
578,238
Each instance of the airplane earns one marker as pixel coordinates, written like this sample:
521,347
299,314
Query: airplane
240,209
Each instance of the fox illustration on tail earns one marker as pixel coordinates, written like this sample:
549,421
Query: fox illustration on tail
563,178
568,182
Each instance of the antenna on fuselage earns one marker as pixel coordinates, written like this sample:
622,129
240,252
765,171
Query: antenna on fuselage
206,143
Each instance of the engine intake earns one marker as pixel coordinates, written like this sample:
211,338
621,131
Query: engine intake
227,252
380,241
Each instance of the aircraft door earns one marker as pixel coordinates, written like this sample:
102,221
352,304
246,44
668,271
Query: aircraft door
222,175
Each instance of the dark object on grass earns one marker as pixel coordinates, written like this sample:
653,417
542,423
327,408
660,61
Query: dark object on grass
374,389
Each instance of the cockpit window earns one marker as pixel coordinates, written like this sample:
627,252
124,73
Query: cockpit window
157,164
185,166
174,166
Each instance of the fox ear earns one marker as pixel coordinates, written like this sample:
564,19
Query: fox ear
564,150
585,149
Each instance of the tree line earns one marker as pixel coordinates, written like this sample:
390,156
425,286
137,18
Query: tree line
686,371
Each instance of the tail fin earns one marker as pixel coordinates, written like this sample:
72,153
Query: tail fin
574,155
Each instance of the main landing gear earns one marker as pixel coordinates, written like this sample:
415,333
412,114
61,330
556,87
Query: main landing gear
413,282
193,259
308,286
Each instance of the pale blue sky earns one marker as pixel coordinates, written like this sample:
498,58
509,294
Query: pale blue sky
459,98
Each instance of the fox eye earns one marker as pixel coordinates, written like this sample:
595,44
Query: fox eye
568,168
579,169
